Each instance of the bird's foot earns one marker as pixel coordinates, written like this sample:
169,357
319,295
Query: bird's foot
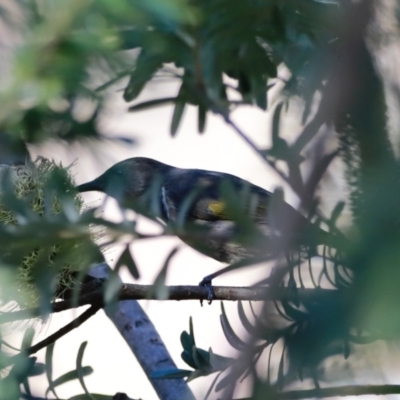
207,283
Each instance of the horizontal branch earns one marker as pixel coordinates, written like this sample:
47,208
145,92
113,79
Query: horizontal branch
339,391
147,292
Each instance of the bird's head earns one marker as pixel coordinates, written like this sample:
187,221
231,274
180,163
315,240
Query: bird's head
127,180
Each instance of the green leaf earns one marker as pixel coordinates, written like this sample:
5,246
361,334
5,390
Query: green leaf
281,376
159,287
27,339
80,370
145,105
112,288
202,116
201,359
126,259
180,105
37,369
146,65
95,396
49,368
69,376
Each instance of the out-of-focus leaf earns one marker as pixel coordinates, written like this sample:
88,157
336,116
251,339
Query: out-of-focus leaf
81,371
202,116
70,376
93,396
159,287
180,105
49,368
28,338
126,259
145,105
230,335
244,320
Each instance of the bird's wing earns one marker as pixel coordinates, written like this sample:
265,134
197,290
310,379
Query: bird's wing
199,194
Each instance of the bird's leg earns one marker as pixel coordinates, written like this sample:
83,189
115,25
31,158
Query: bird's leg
207,281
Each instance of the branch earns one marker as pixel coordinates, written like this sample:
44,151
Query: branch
146,292
335,392
55,336
143,339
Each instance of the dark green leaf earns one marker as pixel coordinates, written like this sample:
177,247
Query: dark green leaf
145,105
159,287
80,370
70,376
49,368
180,105
28,338
202,115
126,259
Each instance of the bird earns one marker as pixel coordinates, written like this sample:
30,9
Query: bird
226,217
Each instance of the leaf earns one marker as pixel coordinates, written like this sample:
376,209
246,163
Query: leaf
95,396
146,65
80,370
294,313
49,368
69,376
173,373
187,357
159,288
27,339
281,376
336,212
22,368
145,105
244,320
187,341
37,369
218,362
126,259
202,116
230,335
201,359
180,105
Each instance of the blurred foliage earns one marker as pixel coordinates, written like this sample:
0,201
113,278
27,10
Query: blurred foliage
224,55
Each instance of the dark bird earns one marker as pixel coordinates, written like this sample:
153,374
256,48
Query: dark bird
229,212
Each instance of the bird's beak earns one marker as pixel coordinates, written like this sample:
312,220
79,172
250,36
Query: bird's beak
89,187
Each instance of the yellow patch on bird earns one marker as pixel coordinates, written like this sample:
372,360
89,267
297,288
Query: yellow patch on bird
217,208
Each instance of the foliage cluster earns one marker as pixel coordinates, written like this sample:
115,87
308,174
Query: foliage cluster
224,54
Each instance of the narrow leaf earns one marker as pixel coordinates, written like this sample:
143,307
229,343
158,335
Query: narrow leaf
145,105
244,320
80,370
177,116
159,287
126,259
27,339
70,376
201,123
49,367
230,335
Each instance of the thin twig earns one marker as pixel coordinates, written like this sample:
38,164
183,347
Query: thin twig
335,392
56,335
